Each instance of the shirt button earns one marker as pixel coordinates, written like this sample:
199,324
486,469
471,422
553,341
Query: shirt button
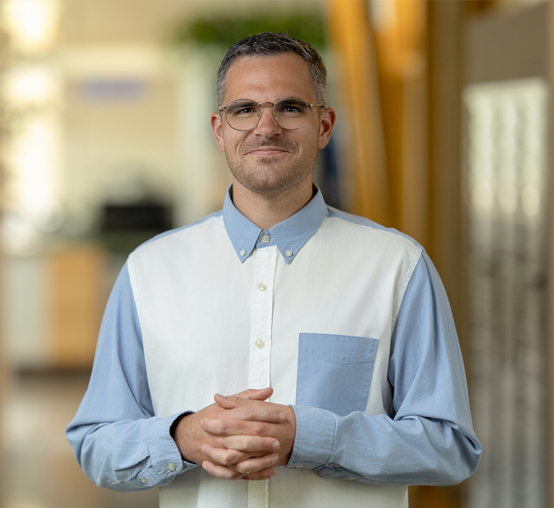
142,480
260,344
171,467
265,239
289,253
262,287
242,252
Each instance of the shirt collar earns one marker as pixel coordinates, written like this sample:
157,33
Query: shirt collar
289,236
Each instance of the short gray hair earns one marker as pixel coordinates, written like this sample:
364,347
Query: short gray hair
272,44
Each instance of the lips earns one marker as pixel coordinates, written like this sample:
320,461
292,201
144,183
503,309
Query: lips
267,150
264,149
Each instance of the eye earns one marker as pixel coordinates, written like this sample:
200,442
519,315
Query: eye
242,109
245,110
291,107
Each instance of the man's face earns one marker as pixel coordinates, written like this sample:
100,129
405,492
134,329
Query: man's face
268,159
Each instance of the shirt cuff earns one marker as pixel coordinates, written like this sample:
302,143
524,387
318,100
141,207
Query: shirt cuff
165,459
315,437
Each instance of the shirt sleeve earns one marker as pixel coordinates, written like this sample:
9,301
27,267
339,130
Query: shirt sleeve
428,439
116,438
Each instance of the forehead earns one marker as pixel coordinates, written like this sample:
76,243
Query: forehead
269,78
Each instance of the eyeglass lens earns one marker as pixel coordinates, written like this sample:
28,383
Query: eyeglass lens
290,114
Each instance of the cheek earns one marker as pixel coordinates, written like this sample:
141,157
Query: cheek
229,144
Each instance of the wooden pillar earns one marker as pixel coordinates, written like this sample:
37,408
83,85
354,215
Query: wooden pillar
443,240
444,144
399,28
352,36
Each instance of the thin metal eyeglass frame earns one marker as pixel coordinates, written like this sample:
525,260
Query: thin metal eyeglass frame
259,104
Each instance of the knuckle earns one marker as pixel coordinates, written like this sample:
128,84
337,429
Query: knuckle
241,469
242,442
233,457
224,459
261,429
268,444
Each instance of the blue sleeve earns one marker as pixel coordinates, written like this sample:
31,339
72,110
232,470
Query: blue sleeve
428,439
116,438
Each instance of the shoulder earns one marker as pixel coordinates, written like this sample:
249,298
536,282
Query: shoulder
167,241
361,229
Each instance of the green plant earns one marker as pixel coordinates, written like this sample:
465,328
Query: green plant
227,30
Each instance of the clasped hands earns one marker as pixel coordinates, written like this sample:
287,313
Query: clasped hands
240,436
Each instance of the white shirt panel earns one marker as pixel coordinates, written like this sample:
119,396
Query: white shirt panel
205,315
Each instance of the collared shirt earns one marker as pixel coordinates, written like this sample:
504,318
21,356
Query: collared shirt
347,321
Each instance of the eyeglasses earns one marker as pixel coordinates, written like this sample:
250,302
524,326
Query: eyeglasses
290,114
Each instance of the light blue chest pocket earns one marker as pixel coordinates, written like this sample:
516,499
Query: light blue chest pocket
334,371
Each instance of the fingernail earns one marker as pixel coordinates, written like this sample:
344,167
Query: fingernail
282,416
272,473
203,448
275,446
275,459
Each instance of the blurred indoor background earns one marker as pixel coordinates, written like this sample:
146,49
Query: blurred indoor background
445,116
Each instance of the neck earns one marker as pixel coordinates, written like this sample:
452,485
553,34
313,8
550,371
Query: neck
266,209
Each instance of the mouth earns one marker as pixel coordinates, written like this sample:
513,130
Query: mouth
266,151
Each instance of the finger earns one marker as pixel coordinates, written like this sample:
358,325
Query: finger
253,411
255,394
255,464
228,427
230,456
251,444
265,474
231,401
234,449
221,471
224,456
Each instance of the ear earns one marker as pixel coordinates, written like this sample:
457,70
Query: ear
217,129
326,124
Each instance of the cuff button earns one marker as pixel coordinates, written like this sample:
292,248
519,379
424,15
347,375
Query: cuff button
171,467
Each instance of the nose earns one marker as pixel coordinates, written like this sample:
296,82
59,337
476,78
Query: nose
267,125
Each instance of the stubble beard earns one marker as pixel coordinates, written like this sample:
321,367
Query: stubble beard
269,177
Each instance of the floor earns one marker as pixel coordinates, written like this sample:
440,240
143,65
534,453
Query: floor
38,469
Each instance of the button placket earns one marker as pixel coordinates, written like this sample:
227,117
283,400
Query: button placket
262,317
260,345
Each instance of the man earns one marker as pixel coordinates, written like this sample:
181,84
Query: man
346,321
